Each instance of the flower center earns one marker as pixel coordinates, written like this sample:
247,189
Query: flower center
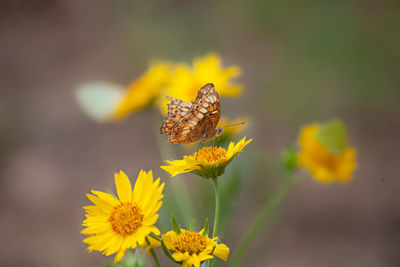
126,218
190,242
329,161
210,154
322,156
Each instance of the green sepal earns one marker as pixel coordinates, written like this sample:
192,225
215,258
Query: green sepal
166,251
212,251
154,237
175,225
333,135
213,171
205,233
191,226
289,159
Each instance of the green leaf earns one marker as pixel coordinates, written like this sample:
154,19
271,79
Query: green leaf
289,159
191,226
205,228
175,225
333,135
134,259
123,264
99,99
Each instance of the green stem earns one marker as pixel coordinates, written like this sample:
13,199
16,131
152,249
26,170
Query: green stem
153,253
217,208
266,212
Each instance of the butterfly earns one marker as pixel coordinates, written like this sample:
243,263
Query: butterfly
191,122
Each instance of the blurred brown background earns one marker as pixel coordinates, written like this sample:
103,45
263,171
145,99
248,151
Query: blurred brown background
302,61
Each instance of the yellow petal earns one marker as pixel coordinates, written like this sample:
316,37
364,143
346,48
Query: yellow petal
138,190
123,186
106,197
99,202
119,255
222,252
147,189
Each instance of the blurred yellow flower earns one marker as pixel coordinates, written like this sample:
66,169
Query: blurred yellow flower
208,162
192,248
115,225
185,81
144,91
327,161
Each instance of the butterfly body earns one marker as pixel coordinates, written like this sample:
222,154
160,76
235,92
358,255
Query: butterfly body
192,122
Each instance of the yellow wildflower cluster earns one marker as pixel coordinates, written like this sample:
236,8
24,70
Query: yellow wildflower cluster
114,224
325,163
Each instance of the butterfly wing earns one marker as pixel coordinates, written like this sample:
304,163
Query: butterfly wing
207,103
200,120
177,109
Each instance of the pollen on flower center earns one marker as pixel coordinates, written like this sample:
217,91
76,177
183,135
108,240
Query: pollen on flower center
126,218
190,242
211,154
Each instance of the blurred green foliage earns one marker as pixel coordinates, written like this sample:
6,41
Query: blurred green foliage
323,56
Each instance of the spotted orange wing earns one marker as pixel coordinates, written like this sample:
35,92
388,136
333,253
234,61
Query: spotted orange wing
177,109
196,124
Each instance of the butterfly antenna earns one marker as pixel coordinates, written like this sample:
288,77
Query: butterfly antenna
229,125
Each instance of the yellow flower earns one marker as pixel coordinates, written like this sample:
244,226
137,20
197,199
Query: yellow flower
192,248
208,162
186,81
326,162
115,225
144,91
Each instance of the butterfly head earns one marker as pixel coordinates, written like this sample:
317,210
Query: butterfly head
219,131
